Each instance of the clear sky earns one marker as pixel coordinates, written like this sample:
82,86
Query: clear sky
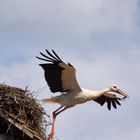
101,38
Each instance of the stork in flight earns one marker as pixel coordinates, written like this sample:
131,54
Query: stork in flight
61,77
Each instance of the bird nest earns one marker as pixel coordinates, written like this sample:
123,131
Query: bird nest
20,110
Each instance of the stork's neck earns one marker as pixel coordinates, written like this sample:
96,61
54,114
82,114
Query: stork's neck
104,91
94,94
100,92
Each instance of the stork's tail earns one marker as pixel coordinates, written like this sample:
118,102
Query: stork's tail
50,100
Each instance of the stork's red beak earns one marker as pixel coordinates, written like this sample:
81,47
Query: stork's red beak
122,93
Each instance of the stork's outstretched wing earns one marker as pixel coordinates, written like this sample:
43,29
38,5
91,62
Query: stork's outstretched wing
110,99
61,77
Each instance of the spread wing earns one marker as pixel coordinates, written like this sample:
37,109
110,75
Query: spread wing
110,99
61,77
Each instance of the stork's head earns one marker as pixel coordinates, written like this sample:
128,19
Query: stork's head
116,89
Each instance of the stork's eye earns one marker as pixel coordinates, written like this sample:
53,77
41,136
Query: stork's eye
115,86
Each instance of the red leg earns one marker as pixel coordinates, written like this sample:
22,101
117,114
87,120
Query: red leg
50,137
55,113
52,129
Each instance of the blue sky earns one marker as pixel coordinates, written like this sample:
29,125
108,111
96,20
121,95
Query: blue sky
101,38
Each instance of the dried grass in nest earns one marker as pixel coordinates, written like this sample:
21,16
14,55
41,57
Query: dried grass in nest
22,108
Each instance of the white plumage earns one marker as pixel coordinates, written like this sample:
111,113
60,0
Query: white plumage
71,98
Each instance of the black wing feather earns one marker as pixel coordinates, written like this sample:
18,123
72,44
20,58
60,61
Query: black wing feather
53,77
47,57
101,101
114,104
108,104
56,59
118,101
56,55
44,59
52,71
110,101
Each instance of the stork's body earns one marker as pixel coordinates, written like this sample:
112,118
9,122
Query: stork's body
61,77
73,98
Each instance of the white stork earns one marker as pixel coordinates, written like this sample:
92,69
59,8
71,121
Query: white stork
61,77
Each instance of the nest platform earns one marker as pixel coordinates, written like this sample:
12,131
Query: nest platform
21,114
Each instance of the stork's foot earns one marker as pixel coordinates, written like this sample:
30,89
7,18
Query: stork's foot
51,135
